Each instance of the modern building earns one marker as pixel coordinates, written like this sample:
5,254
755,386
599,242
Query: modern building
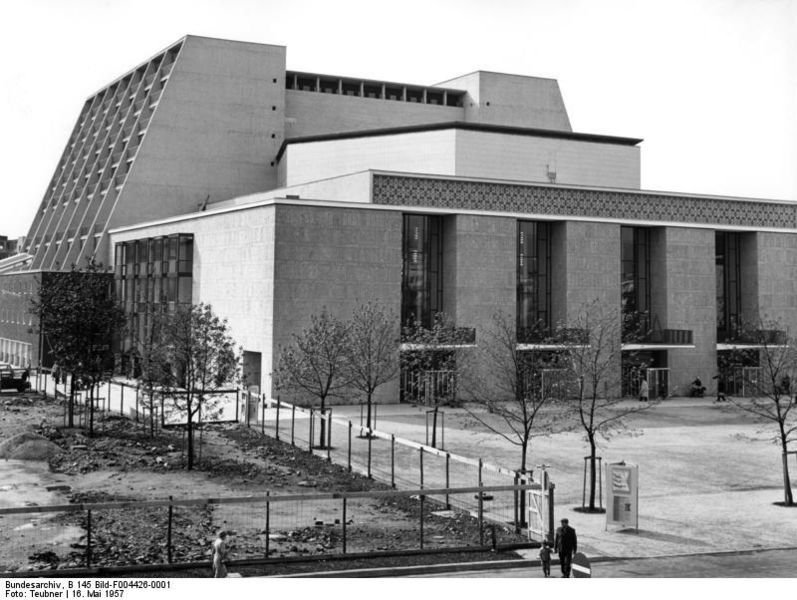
212,173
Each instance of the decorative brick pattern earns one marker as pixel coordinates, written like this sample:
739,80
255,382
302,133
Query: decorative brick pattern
566,202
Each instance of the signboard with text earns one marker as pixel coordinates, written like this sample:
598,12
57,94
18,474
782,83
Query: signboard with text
622,494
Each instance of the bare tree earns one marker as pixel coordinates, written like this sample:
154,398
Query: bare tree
593,353
202,360
511,384
315,363
773,401
371,350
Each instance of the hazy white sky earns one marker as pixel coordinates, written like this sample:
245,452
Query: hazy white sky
711,85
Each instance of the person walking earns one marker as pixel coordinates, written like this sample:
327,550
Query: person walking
545,558
220,555
643,390
720,388
566,545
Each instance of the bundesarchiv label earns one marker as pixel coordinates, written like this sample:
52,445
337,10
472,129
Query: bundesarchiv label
100,588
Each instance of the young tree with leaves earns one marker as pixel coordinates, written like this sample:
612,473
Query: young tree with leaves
593,357
202,360
371,350
773,400
78,317
151,353
316,362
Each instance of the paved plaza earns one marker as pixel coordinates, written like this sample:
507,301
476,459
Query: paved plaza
708,476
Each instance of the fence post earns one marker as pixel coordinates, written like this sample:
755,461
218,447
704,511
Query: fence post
238,405
277,426
420,464
293,423
448,479
262,414
329,435
349,445
136,404
550,512
369,454
516,495
268,524
88,540
481,516
421,528
344,516
392,460
310,435
480,472
122,401
169,533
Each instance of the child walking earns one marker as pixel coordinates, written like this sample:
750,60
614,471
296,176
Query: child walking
545,558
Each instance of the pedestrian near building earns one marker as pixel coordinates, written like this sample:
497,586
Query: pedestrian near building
566,545
545,558
643,390
220,555
720,388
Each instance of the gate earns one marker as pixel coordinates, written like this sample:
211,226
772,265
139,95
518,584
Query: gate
658,383
431,388
540,511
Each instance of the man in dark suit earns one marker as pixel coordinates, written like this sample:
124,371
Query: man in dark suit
566,545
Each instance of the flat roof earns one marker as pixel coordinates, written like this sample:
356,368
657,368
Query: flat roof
464,125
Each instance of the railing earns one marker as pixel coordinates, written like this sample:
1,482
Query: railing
552,337
644,328
449,336
266,527
428,387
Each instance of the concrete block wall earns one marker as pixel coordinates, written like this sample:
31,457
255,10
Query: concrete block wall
313,113
529,158
593,273
485,278
334,258
777,278
691,304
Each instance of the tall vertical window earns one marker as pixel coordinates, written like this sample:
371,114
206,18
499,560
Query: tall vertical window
635,279
533,280
729,291
422,272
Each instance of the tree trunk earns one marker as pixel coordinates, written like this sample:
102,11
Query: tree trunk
592,472
788,498
523,450
322,426
189,430
368,415
91,410
71,402
434,427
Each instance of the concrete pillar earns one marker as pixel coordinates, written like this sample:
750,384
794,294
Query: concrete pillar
777,278
691,303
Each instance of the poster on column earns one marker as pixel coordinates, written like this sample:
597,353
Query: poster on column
622,494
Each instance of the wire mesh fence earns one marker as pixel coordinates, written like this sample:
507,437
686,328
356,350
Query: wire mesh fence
264,527
129,399
402,463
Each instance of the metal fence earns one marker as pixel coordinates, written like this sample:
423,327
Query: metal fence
264,527
399,462
129,399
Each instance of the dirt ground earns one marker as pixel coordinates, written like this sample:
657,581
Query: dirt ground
122,462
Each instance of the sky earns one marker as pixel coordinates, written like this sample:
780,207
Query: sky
710,85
